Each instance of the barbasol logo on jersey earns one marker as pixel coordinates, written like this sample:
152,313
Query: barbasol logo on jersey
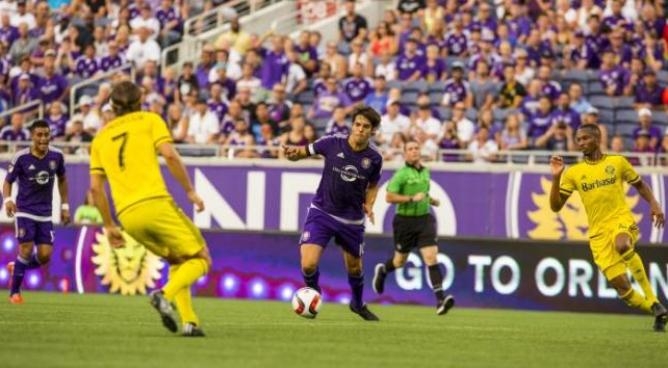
42,177
349,173
598,183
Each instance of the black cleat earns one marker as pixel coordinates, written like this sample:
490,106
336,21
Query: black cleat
365,313
378,283
445,305
192,330
165,308
660,317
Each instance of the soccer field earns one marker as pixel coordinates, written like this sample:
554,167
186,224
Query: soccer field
70,330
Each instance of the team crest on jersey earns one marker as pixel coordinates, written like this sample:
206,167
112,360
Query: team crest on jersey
610,170
366,163
52,165
571,222
305,236
21,232
42,177
129,270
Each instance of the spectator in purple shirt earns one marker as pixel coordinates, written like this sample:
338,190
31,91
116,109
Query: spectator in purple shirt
171,24
57,120
15,130
456,88
541,120
216,101
434,68
87,65
550,88
649,93
357,87
616,79
25,92
113,59
409,63
338,124
456,43
275,64
327,101
622,51
645,125
8,33
565,113
577,53
206,62
53,86
616,19
279,106
307,56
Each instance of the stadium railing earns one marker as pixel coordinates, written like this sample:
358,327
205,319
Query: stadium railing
27,106
87,82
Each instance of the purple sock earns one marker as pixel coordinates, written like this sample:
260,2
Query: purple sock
20,266
357,287
311,280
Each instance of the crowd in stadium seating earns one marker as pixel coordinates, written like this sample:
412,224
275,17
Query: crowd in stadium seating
453,74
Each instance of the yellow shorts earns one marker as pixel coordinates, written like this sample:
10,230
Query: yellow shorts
162,227
606,257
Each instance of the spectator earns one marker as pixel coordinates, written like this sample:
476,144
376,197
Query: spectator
386,67
456,42
578,102
619,48
143,49
616,80
591,117
227,126
86,65
261,119
642,142
228,85
408,65
203,70
524,73
294,137
306,55
382,40
390,123
409,7
577,54
15,131
268,139
512,92
648,94
8,32
564,113
338,124
187,81
646,127
237,38
456,88
217,103
57,120
617,144
77,134
87,213
113,59
513,137
146,20
540,121
248,78
327,101
357,87
482,149
379,97
426,129
203,125
241,136
352,26
25,92
171,24
295,81
22,46
483,87
558,137
449,141
279,106
274,64
23,16
395,148
465,127
177,123
549,88
310,133
337,63
359,56
232,67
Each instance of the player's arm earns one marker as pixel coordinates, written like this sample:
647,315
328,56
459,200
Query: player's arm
10,206
658,217
558,197
102,203
295,153
370,200
178,171
64,200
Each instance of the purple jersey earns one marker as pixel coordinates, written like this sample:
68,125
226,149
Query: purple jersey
279,112
567,116
9,134
434,72
336,129
406,66
539,123
166,16
218,107
8,35
86,67
35,177
345,178
319,86
357,89
616,77
57,125
650,96
111,62
455,91
25,96
52,88
456,44
551,89
274,68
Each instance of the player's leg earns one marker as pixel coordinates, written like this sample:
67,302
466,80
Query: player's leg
310,259
27,235
443,302
353,264
405,239
624,245
183,301
319,228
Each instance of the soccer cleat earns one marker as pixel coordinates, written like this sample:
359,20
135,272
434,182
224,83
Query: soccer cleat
16,299
445,305
192,330
165,308
378,283
364,312
660,317
10,270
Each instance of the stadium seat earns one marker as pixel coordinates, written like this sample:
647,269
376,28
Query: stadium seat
625,129
624,103
418,85
606,116
435,97
438,86
577,76
659,117
603,102
662,77
501,114
446,113
395,84
409,97
595,89
472,114
626,116
306,98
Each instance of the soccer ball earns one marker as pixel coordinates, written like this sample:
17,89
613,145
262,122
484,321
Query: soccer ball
306,302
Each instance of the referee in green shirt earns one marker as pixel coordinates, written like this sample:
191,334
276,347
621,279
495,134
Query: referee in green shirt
414,226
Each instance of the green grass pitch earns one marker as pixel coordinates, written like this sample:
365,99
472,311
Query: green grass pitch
69,330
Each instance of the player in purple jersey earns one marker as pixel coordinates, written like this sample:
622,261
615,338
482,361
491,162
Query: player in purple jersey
34,169
347,191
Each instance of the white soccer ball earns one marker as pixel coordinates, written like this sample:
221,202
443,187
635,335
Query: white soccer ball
306,302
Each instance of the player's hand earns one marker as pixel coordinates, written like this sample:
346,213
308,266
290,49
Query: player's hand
65,216
557,165
435,202
195,199
369,213
10,208
418,197
658,218
115,236
291,152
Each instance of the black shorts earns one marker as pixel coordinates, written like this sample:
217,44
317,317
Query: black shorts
412,232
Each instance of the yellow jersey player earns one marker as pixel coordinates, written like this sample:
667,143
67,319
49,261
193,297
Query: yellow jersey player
612,229
124,153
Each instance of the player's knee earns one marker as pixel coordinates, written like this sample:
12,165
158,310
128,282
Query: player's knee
430,259
309,269
355,269
622,289
43,258
622,248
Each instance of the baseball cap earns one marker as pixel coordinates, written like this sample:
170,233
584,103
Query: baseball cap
644,112
85,100
592,110
50,52
24,76
457,64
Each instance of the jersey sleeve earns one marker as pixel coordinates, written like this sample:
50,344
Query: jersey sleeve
60,170
322,146
629,174
13,170
374,178
567,185
95,161
159,132
396,182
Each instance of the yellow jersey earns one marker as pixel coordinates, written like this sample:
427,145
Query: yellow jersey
125,152
600,186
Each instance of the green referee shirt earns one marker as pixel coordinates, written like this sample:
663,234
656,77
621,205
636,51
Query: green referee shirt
409,181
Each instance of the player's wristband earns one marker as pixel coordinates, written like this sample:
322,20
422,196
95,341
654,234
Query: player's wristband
410,199
7,200
65,207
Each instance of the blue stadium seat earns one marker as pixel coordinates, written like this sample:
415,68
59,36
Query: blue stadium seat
595,89
306,98
624,103
603,102
577,76
472,114
662,77
446,113
418,85
659,117
395,84
438,86
501,114
625,129
409,97
627,116
435,97
606,116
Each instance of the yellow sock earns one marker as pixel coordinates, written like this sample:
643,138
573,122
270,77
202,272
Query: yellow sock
635,300
634,263
183,276
183,301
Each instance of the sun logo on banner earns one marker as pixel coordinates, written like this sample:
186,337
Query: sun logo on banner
129,270
571,222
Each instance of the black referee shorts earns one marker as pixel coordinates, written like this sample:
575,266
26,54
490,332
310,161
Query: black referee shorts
412,232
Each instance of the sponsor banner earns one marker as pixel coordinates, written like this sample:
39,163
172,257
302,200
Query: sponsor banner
479,273
274,197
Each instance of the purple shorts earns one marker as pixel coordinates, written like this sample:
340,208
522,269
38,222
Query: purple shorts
320,228
31,231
